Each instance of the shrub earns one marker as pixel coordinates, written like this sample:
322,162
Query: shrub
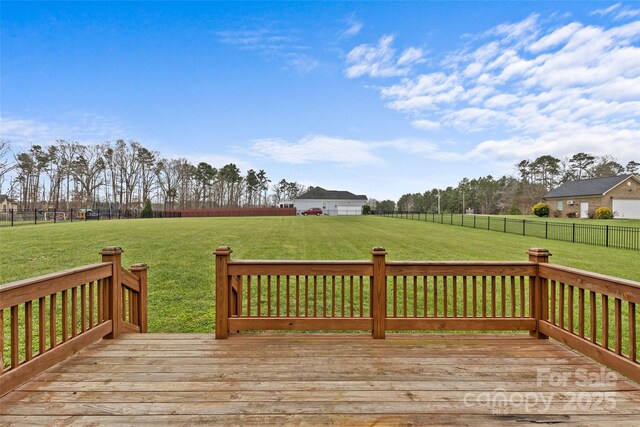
147,212
572,215
604,213
366,210
540,209
514,210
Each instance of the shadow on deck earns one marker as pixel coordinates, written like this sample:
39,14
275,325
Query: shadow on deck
485,379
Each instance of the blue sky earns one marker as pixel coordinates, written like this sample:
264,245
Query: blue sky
376,98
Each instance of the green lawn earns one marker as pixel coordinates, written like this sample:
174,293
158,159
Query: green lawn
179,252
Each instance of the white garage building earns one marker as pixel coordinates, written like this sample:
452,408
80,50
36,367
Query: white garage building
332,202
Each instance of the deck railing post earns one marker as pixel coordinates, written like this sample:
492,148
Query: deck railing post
540,293
140,271
112,304
223,254
379,295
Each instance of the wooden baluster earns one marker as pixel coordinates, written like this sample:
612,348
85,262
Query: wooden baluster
83,307
94,286
553,301
297,296
315,296
278,296
404,295
617,307
632,331
474,298
493,296
259,292
581,312
288,296
435,296
324,296
1,340
269,296
605,321
342,293
53,333
523,307
570,308
74,311
503,296
42,326
306,296
249,302
445,296
484,296
15,359
333,296
464,296
592,311
65,315
28,330
454,296
395,296
561,304
512,280
425,291
415,296
361,297
123,301
351,295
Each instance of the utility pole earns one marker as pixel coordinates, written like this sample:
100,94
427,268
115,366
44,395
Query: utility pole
438,201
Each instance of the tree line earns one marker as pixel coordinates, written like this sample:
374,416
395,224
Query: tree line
509,194
124,175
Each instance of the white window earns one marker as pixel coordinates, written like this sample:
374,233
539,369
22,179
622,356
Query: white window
559,205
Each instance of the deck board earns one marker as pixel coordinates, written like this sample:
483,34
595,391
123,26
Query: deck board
306,379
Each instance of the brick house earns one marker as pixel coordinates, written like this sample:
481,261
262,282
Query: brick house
578,199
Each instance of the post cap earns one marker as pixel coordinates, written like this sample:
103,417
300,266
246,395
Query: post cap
111,250
139,267
223,250
539,252
378,250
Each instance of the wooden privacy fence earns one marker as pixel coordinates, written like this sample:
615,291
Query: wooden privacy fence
50,317
591,313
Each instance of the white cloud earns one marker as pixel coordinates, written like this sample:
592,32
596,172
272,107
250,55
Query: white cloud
537,88
86,128
380,60
275,44
425,124
607,10
354,27
318,148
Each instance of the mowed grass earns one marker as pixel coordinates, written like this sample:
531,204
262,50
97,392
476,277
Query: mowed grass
180,252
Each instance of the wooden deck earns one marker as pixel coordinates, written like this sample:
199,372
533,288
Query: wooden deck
426,379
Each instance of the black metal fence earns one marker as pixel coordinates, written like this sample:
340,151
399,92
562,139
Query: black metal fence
14,217
599,235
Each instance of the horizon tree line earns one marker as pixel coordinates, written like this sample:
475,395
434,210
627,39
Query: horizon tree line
124,175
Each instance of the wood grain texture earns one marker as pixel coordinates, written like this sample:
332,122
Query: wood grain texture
327,379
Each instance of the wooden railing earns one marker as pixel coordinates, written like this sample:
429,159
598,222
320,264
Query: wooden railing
48,318
376,295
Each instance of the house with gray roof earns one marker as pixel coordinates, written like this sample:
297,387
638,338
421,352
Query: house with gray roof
332,202
579,199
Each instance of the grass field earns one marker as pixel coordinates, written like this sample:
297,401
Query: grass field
179,252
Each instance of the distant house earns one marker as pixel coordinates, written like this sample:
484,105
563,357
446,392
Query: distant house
620,193
6,204
332,202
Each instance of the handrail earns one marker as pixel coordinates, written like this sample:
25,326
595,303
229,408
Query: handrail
563,303
54,315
